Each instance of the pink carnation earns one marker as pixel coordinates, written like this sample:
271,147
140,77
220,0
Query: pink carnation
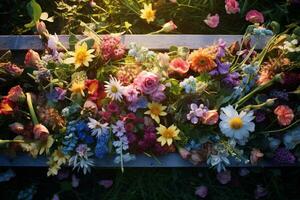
179,65
112,48
232,6
212,20
255,16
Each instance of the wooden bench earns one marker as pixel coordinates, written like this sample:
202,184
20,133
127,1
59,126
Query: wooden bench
155,42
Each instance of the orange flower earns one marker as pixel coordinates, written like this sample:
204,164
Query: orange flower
202,60
93,88
6,107
264,77
285,115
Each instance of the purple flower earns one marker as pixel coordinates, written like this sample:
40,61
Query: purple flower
232,79
260,192
75,181
282,155
158,95
224,177
55,197
222,68
140,103
57,94
221,48
131,93
106,183
201,191
196,112
244,172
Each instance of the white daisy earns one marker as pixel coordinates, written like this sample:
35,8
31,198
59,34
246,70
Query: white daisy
114,89
97,128
235,125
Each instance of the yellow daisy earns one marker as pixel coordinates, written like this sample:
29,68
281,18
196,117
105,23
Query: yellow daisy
77,87
81,56
53,168
59,157
147,13
167,134
156,110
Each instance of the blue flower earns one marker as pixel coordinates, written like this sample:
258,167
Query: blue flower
189,84
83,132
101,148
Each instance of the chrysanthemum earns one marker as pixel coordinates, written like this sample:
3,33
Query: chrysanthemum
81,56
235,125
156,110
202,60
114,89
147,13
167,134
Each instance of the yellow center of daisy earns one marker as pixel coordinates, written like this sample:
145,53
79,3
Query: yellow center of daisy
156,110
114,89
168,133
236,123
81,56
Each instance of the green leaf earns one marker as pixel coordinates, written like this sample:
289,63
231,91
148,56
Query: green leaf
34,10
72,41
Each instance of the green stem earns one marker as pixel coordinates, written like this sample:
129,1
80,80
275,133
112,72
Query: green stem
11,141
283,129
31,109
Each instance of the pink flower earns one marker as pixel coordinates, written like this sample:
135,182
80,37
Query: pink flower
232,6
41,28
285,115
210,117
106,183
131,94
113,107
90,106
224,177
212,20
255,16
179,65
16,94
13,69
147,82
32,58
169,26
40,132
185,154
201,191
16,127
255,156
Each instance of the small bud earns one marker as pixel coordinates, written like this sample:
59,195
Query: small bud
169,26
40,132
32,58
41,28
16,127
270,102
185,154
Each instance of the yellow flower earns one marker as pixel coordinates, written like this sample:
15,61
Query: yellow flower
147,13
77,87
156,110
81,56
59,157
167,134
46,145
53,168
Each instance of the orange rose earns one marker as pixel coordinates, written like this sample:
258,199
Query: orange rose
210,117
285,115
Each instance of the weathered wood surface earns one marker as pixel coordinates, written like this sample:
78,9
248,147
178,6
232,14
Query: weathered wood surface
24,42
169,160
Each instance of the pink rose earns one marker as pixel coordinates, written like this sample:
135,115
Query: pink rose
16,94
179,65
32,58
255,16
40,132
169,26
212,20
255,156
147,82
210,117
41,28
232,6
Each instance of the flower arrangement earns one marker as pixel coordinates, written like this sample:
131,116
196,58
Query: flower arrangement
212,105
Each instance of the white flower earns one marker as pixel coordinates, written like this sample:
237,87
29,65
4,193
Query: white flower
97,128
52,42
114,89
81,159
291,46
235,125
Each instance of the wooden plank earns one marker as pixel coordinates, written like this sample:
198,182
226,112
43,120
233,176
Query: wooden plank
169,160
158,42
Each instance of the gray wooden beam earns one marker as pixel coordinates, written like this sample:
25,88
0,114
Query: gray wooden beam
158,42
169,160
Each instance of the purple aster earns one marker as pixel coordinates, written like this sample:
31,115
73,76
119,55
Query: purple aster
232,79
260,116
57,94
282,155
221,48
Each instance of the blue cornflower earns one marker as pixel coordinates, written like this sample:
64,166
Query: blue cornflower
101,148
83,132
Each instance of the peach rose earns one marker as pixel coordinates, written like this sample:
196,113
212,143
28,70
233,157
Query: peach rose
285,115
32,58
179,65
210,117
40,132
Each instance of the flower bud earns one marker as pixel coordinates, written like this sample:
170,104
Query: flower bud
16,94
40,132
32,58
185,154
210,117
41,28
169,26
13,69
16,127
